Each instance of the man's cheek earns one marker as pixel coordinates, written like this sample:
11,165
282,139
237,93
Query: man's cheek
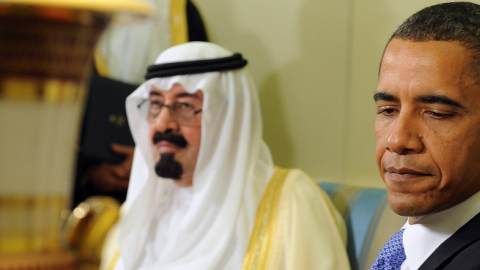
155,154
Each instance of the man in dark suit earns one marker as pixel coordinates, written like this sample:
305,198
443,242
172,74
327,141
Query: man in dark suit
428,138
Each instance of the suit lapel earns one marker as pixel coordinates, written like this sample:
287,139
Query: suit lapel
461,239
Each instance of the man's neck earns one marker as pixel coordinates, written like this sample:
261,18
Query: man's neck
412,220
185,181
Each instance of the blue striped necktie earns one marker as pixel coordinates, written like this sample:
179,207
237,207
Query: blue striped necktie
392,254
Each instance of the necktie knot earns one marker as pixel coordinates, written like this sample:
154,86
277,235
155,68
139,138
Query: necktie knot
392,254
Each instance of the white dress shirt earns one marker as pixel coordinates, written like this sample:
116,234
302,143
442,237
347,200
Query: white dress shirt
424,236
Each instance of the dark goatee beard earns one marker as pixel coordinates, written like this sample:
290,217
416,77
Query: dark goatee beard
167,167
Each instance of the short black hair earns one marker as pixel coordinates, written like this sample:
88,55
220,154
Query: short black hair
454,21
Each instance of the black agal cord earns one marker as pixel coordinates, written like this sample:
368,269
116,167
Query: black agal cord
197,66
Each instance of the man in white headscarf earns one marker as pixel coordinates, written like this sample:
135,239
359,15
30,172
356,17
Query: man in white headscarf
204,192
121,56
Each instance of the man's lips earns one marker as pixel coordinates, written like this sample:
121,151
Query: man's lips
404,174
165,147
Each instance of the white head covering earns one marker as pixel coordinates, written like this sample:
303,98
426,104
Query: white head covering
207,226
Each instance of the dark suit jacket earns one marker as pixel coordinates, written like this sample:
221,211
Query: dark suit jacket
459,252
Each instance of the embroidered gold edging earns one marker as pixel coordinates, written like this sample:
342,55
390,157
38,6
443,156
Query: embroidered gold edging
262,237
178,22
101,63
114,260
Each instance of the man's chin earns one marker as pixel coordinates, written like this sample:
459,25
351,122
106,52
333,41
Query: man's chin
411,206
404,210
167,175
168,167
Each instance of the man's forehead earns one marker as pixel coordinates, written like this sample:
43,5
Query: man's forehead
426,56
438,68
176,91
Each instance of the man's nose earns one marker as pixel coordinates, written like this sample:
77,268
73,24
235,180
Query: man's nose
165,121
405,135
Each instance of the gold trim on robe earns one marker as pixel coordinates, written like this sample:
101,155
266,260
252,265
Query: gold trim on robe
263,235
113,262
296,227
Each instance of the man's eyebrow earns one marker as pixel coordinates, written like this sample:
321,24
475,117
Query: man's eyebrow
153,93
439,99
187,95
384,97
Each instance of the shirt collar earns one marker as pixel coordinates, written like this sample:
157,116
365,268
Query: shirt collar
424,236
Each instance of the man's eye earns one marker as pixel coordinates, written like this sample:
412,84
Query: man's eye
155,106
386,111
440,115
184,106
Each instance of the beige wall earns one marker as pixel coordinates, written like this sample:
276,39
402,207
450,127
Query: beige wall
315,64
